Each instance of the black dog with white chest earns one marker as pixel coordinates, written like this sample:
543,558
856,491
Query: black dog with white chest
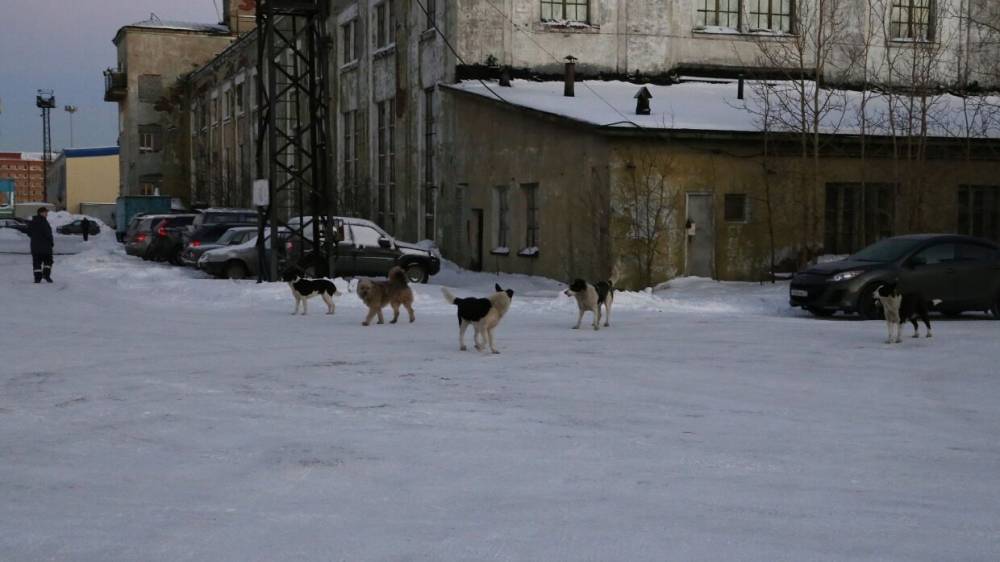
304,289
900,307
591,297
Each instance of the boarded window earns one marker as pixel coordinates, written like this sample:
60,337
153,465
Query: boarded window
736,207
979,211
150,87
857,217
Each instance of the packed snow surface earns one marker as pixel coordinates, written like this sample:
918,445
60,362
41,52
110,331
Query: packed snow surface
150,413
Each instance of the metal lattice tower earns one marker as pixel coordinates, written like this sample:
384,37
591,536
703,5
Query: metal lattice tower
293,137
46,101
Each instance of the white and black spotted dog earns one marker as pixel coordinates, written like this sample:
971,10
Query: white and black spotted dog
901,307
591,297
304,289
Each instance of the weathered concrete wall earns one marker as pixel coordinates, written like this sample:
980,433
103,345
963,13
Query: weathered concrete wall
169,54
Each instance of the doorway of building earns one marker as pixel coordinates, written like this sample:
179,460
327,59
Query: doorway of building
700,226
474,237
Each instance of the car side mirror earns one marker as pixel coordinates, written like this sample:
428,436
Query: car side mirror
384,242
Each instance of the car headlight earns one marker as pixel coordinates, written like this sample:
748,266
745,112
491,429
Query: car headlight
845,275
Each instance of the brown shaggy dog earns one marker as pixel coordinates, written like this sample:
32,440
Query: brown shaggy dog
378,294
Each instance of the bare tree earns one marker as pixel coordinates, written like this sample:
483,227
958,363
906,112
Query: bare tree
645,202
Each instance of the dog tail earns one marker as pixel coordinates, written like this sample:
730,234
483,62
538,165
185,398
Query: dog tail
448,297
397,275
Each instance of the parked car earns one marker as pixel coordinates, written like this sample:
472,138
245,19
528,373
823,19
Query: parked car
76,227
961,273
363,248
157,237
213,216
210,237
240,261
19,225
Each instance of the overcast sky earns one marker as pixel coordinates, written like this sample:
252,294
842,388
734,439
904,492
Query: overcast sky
65,46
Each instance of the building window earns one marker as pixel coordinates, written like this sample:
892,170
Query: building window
719,13
386,172
150,138
385,24
215,109
502,206
227,106
350,129
979,211
912,19
531,214
150,88
429,136
241,105
149,185
857,217
566,10
736,207
771,15
431,7
350,36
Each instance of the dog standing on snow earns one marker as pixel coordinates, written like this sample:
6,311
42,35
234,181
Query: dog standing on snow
483,314
899,308
591,297
304,289
378,294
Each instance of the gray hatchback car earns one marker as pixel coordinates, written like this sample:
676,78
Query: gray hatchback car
958,273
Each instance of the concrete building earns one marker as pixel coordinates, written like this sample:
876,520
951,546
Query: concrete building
152,56
84,175
26,169
414,154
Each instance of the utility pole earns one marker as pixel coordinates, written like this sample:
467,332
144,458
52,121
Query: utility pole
71,109
46,101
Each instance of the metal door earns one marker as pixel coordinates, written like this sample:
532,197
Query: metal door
700,227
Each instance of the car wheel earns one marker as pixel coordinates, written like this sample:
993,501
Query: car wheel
867,307
416,273
236,270
821,312
175,259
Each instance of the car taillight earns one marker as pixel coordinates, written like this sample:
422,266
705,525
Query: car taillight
288,246
162,231
141,237
195,243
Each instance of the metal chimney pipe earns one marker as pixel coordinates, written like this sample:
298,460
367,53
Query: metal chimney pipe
569,77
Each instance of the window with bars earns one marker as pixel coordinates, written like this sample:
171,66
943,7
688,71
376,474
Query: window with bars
719,13
386,167
566,10
771,15
912,19
736,207
857,215
532,227
979,211
503,218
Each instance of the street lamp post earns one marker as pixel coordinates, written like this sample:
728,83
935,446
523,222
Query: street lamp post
71,109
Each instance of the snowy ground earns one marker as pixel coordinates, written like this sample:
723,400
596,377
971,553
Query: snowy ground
148,413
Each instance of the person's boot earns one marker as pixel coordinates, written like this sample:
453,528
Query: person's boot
48,275
38,277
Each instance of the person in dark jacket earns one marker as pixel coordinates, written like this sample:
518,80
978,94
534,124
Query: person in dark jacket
41,245
85,227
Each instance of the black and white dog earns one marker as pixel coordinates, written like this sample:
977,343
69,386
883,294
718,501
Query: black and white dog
482,314
304,289
899,308
591,297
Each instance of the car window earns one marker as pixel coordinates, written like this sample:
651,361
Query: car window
975,252
938,253
365,236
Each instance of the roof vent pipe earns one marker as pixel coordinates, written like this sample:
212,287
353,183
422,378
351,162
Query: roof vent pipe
570,76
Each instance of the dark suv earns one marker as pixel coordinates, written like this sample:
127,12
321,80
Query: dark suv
157,237
959,273
364,249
